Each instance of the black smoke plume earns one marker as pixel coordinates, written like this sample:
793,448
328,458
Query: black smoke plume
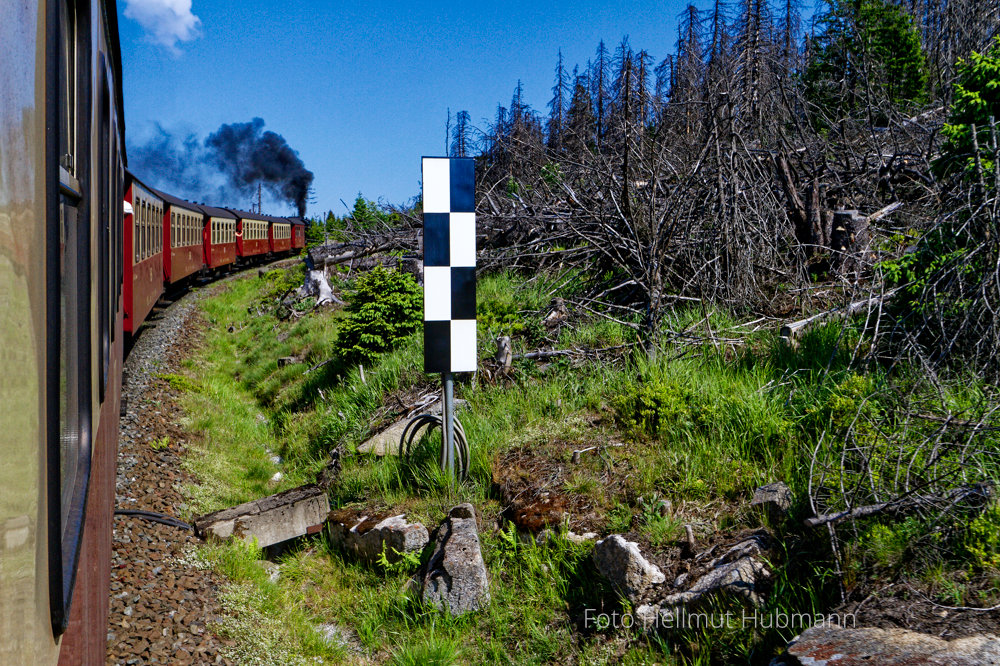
251,156
226,168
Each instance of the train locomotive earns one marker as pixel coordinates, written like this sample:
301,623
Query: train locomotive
86,250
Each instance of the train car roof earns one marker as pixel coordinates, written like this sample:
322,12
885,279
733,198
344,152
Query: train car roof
177,201
247,215
301,221
131,177
212,211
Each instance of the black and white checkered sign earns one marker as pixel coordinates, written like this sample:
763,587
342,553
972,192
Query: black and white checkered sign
449,264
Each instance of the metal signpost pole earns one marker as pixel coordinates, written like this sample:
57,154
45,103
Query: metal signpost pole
448,419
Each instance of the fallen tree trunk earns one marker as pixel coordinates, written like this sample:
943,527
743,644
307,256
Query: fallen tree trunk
792,330
976,494
543,354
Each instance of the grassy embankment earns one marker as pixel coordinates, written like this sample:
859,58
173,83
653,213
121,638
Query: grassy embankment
700,428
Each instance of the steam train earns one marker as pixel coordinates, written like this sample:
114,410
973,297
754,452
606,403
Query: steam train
86,249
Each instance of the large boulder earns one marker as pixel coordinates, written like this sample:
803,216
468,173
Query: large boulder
736,571
366,537
738,577
454,578
775,499
833,645
621,563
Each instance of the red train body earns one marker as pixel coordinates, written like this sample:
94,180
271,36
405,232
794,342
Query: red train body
279,234
143,253
298,233
183,235
219,238
251,237
62,273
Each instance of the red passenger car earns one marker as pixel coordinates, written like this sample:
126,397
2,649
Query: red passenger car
219,237
298,233
143,253
183,224
251,234
280,235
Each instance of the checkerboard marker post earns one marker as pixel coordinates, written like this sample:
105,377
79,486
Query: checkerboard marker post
449,187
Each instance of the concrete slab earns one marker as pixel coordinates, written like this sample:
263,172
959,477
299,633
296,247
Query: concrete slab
272,519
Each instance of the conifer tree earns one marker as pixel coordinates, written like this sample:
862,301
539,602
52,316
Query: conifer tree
557,106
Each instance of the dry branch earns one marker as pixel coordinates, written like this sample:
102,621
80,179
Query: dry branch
792,330
976,494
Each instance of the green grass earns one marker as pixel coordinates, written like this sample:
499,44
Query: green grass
699,428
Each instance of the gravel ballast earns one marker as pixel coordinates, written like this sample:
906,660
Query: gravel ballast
163,597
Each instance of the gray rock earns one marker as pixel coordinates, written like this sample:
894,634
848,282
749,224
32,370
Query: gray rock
750,547
739,577
394,535
774,498
620,561
338,637
833,645
455,576
273,570
548,535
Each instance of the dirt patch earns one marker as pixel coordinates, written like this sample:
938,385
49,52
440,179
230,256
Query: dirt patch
909,607
540,486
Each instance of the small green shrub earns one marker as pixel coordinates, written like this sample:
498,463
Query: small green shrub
401,562
384,307
181,383
278,282
982,540
160,443
649,408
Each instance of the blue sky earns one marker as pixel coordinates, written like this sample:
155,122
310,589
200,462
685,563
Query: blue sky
360,89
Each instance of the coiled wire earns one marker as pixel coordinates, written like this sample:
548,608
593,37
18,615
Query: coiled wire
420,422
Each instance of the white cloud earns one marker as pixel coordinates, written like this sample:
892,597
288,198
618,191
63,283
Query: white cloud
166,21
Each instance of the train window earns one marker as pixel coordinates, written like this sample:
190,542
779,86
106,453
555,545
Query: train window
68,86
142,230
141,226
136,227
68,320
138,230
103,176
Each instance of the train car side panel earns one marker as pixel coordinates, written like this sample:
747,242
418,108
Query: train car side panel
183,254
25,621
147,255
85,638
251,237
280,236
219,237
298,235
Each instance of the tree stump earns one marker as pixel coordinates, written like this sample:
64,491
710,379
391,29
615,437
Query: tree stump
849,240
